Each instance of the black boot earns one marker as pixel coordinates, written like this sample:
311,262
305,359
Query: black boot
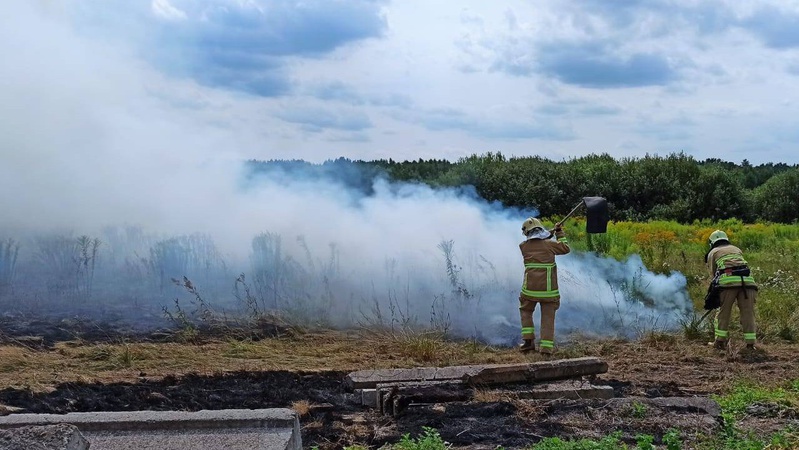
527,346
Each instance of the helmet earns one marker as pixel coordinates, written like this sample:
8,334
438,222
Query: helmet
531,224
718,235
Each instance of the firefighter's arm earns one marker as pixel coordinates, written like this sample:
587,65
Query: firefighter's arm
561,247
711,264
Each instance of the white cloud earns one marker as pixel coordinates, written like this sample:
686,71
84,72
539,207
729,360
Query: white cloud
165,10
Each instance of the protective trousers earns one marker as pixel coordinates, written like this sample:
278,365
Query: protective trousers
548,308
746,306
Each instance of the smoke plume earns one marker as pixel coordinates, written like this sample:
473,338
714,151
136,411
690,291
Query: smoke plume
115,180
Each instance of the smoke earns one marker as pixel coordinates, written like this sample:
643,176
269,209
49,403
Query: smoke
94,143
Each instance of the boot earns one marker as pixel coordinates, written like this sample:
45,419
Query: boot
527,346
718,345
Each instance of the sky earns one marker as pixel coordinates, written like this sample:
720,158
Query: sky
369,79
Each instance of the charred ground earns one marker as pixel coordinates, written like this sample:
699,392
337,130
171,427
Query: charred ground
72,372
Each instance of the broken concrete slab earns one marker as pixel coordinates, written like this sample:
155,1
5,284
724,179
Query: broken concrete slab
173,430
569,389
366,379
369,397
394,400
49,437
702,405
479,374
536,372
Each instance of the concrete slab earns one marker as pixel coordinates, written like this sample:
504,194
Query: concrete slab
480,374
569,389
369,397
536,372
169,430
48,437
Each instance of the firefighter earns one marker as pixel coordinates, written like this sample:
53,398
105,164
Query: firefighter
540,285
732,277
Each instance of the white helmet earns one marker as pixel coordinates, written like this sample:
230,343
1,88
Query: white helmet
718,235
531,224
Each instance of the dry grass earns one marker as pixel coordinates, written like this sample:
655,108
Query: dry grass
687,363
528,411
491,395
301,407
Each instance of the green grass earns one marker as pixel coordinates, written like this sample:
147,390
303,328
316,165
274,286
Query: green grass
610,442
734,404
733,407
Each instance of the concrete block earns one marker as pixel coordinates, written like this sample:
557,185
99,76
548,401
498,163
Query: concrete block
48,437
570,389
536,372
177,430
369,398
368,379
483,374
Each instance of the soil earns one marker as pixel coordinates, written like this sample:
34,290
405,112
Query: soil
658,385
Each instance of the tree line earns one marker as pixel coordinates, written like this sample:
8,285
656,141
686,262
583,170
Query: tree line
674,187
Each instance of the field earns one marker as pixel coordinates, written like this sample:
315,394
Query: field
62,364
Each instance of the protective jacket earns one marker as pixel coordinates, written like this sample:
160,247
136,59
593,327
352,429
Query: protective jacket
541,273
728,264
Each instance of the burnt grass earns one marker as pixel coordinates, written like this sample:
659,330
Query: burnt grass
35,331
332,418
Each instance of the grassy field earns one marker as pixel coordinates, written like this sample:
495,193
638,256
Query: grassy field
772,251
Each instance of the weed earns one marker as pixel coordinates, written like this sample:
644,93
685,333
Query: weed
421,346
188,328
672,440
692,327
429,440
453,270
610,442
638,410
645,441
70,263
9,251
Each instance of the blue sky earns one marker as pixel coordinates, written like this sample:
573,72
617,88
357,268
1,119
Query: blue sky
367,79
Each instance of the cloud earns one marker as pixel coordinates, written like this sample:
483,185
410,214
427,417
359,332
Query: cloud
486,127
660,16
596,44
318,119
242,45
591,65
776,28
600,110
351,137
666,129
165,10
342,92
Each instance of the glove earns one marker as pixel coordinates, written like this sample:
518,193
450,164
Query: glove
559,231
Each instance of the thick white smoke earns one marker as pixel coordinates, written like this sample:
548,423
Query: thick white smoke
93,142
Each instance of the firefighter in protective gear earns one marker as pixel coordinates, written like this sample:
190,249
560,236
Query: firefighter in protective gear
735,283
540,285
